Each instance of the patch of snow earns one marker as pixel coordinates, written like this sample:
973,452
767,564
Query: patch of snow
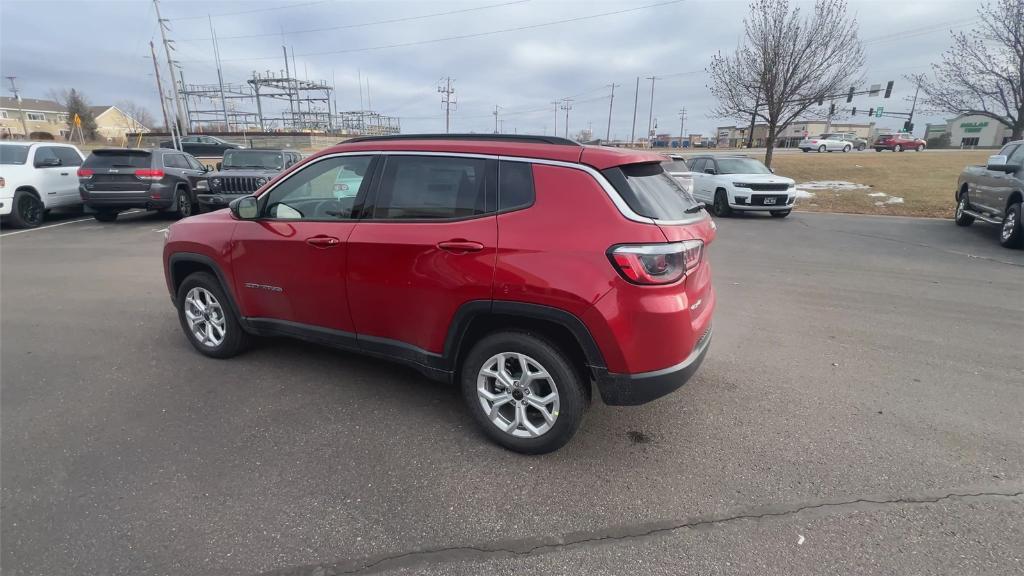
879,203
894,200
832,185
804,194
878,194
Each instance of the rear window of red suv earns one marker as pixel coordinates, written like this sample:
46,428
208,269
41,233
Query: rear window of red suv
650,191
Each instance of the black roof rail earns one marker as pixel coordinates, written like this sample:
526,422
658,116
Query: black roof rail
523,138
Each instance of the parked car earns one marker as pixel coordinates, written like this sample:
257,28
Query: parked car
242,172
677,167
36,177
993,193
113,180
523,268
203,146
738,183
859,144
827,143
899,142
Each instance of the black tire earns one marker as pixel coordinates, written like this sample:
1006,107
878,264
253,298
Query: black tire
105,215
878,149
26,210
721,206
805,149
183,204
920,148
847,148
1011,233
822,148
897,148
961,218
861,147
780,213
572,394
234,338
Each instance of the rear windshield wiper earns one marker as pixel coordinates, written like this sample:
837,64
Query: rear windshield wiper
693,209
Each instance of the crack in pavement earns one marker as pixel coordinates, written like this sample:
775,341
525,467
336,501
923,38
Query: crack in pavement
637,532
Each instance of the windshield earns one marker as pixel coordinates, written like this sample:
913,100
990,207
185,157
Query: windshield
269,160
651,192
13,154
741,166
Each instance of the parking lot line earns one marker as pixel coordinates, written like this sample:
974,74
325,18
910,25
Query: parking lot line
89,219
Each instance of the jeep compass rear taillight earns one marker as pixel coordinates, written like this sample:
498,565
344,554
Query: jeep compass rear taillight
657,263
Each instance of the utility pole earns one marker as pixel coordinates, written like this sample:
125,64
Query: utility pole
160,90
682,123
650,114
636,99
566,105
180,112
496,109
220,75
446,92
608,132
554,131
288,75
17,99
909,126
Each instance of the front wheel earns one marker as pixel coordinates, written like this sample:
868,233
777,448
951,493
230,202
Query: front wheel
897,148
721,206
847,148
780,213
523,392
27,210
920,148
822,148
861,147
207,317
1012,234
962,218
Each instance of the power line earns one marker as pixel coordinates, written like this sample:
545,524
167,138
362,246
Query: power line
364,24
466,36
240,12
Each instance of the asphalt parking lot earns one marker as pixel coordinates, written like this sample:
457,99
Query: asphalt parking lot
860,411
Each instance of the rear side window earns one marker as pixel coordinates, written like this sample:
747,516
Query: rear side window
651,192
13,154
515,185
118,159
434,188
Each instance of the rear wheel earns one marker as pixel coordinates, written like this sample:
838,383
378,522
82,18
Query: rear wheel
822,148
523,392
27,210
920,148
897,148
861,147
184,206
847,148
721,206
962,218
1012,234
780,213
105,215
207,318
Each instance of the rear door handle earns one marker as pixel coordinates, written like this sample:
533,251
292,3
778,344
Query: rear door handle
323,241
459,246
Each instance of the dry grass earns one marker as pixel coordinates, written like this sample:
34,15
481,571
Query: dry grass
924,180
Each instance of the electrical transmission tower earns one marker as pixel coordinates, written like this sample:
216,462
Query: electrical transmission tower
444,87
496,110
180,116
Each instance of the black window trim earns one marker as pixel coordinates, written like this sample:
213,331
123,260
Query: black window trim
358,205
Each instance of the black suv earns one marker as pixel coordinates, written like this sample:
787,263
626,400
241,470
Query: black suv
112,180
242,172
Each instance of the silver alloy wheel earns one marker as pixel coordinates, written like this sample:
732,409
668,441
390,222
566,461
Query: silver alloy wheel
1008,224
184,206
518,395
205,317
961,205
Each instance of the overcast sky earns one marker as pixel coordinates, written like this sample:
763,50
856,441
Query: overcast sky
101,48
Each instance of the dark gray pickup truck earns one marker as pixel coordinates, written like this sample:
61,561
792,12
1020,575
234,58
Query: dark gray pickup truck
993,193
242,172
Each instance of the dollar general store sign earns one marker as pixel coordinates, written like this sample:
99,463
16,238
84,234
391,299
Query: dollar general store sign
972,127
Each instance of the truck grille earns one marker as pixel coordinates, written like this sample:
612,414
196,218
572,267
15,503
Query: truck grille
769,187
236,184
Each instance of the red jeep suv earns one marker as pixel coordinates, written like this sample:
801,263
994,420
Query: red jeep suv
523,268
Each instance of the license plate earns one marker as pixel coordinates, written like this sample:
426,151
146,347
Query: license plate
769,201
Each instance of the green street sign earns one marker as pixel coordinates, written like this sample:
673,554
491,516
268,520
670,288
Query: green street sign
878,112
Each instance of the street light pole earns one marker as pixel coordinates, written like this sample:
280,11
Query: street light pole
636,99
608,133
650,114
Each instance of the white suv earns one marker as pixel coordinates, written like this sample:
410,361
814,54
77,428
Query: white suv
731,183
35,177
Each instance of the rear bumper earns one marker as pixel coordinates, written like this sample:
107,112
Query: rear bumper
634,389
155,198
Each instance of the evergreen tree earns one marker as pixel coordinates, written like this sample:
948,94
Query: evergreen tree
76,104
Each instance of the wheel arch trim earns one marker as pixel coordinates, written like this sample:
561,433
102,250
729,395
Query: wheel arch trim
174,282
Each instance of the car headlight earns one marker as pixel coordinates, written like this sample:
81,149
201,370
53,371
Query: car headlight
215,183
261,181
202,185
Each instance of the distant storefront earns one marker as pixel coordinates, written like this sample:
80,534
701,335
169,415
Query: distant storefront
976,130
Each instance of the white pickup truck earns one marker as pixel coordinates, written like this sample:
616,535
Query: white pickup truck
36,177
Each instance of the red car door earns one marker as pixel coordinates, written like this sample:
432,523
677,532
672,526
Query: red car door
428,244
289,265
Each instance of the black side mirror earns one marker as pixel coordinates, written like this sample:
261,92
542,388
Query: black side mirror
47,162
219,164
245,208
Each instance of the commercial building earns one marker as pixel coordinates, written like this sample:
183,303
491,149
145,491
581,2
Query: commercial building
39,119
976,130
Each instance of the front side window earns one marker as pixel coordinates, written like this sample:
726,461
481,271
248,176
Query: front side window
697,165
433,188
68,157
324,190
1016,157
44,153
175,161
193,163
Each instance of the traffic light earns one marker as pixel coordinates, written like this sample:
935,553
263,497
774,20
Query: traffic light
821,101
849,97
871,112
888,89
908,126
854,113
832,110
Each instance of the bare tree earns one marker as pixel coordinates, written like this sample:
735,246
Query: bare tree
138,113
787,62
983,72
